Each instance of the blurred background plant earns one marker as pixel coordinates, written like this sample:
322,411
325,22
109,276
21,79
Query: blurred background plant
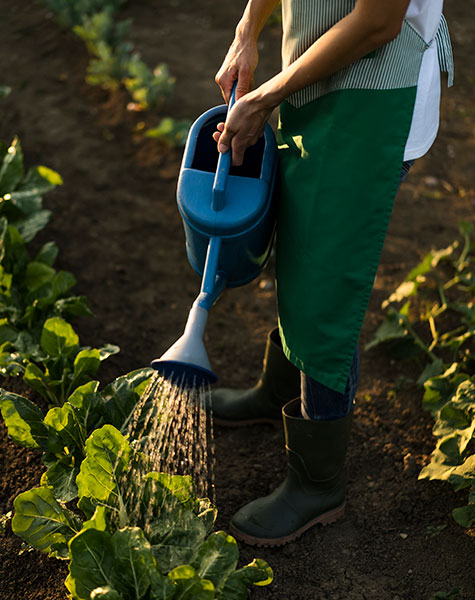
115,63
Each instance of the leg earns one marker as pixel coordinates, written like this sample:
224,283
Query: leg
321,403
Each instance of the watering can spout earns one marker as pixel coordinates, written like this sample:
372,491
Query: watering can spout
186,362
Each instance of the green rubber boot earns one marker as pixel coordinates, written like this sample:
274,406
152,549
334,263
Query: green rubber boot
314,489
279,383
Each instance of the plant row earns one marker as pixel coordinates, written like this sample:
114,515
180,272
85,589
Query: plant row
430,318
126,530
114,61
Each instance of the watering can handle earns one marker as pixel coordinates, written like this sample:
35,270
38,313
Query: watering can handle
222,170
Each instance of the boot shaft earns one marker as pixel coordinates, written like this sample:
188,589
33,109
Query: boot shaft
316,449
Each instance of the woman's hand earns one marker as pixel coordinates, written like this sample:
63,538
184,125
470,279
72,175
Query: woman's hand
244,125
240,63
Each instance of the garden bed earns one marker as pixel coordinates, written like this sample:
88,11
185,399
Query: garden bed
119,232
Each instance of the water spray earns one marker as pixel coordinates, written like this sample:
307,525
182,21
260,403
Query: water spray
229,221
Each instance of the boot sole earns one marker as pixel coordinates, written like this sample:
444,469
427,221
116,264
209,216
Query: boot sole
325,519
246,422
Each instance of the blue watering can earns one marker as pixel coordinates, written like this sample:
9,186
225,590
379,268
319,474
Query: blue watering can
229,220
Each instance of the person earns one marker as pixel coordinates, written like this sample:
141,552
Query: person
359,94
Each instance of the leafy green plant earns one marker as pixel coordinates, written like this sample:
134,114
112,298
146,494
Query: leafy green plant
31,290
114,61
431,316
440,289
21,193
149,88
61,434
453,459
71,13
66,365
155,545
105,40
170,131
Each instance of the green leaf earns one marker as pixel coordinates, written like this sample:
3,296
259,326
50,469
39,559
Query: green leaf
465,515
105,593
11,171
24,420
64,420
16,255
33,224
463,475
7,332
257,572
161,588
99,520
391,329
207,513
86,364
175,132
92,563
38,274
108,350
107,457
439,389
217,558
433,369
134,561
42,522
175,536
47,254
25,203
121,396
38,381
189,585
60,478
11,364
88,402
40,180
62,283
74,306
58,338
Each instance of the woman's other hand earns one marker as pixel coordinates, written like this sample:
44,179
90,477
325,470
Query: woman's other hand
244,125
239,64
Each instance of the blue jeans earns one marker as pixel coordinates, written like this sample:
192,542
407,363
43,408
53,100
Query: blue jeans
320,402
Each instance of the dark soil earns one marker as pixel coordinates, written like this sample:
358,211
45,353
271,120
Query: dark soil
119,232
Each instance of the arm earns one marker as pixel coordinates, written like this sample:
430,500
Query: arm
241,59
371,24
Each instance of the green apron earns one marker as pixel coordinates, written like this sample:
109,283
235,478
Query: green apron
341,148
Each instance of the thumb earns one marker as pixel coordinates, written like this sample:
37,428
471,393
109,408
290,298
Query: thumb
224,142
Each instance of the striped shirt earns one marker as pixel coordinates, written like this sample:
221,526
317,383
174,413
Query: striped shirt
394,65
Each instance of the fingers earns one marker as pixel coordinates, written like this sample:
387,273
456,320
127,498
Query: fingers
224,140
225,79
244,83
217,134
237,143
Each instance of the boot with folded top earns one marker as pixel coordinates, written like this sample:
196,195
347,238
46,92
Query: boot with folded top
313,491
278,384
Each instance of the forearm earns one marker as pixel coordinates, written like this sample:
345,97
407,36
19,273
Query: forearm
348,40
254,18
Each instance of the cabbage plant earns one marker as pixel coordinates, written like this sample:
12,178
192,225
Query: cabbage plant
142,534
